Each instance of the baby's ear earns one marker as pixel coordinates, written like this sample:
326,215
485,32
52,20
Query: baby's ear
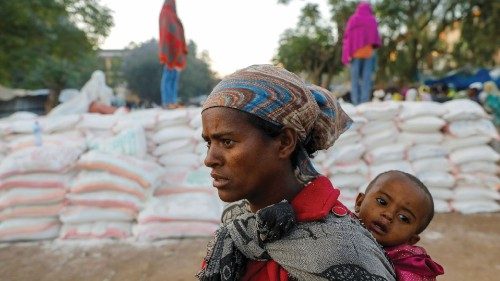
359,200
414,239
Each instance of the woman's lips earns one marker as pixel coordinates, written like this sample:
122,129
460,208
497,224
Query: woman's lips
218,181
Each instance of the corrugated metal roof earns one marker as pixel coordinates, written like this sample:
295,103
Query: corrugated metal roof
7,94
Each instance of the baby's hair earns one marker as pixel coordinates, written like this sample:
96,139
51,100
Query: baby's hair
420,184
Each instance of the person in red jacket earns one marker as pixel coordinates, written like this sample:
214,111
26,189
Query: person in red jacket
172,53
262,124
396,207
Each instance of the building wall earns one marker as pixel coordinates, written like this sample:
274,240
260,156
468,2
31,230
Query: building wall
35,104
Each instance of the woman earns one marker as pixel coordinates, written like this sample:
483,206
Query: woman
172,53
261,125
360,40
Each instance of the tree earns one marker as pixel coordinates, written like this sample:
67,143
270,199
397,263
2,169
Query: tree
315,47
308,47
197,79
142,71
50,43
416,35
479,40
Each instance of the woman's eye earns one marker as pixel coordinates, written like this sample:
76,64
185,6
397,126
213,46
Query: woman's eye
381,201
404,218
227,142
208,144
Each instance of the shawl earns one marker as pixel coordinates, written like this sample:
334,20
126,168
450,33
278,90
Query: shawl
361,30
304,237
282,98
412,263
172,45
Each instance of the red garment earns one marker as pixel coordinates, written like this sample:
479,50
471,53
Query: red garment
313,203
172,45
361,30
412,263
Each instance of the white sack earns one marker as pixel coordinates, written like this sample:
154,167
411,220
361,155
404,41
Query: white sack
421,108
474,153
386,153
422,124
463,109
421,151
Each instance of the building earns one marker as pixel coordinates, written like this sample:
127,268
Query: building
13,100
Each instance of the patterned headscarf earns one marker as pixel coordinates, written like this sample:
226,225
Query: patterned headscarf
282,98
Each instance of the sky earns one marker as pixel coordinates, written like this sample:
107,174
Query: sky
235,33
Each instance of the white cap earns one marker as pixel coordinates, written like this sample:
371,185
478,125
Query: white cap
476,85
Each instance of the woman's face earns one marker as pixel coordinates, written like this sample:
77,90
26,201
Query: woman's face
243,160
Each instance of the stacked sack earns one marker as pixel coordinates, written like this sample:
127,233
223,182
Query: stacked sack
147,120
343,162
175,141
186,205
39,154
421,126
468,134
96,126
33,184
381,137
3,150
110,189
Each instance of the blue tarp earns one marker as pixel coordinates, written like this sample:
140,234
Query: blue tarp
462,80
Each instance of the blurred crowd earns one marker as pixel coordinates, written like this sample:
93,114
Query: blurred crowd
486,94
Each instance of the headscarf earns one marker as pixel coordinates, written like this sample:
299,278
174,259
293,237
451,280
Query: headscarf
361,30
282,98
172,43
308,244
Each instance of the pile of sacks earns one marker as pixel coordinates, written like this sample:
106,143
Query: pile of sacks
111,183
446,145
140,175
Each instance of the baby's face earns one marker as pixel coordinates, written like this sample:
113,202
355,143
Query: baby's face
393,210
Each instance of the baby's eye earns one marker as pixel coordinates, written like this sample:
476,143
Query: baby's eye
404,218
381,201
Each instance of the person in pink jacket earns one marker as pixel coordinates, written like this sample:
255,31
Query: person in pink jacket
396,207
360,40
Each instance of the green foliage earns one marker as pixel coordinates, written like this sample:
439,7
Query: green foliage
413,34
479,40
50,43
142,71
197,79
309,48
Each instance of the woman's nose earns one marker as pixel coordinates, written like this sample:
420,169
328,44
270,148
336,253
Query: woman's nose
212,159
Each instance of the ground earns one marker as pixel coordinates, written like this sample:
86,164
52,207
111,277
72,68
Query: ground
468,246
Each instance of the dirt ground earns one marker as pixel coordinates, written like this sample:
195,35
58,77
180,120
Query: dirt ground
467,246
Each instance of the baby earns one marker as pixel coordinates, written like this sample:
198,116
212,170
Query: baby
396,207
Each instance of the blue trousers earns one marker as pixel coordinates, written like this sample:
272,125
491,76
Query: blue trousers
361,79
169,86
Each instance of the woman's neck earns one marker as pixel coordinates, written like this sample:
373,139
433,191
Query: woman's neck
288,187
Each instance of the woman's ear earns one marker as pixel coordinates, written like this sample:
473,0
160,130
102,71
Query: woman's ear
359,200
288,141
